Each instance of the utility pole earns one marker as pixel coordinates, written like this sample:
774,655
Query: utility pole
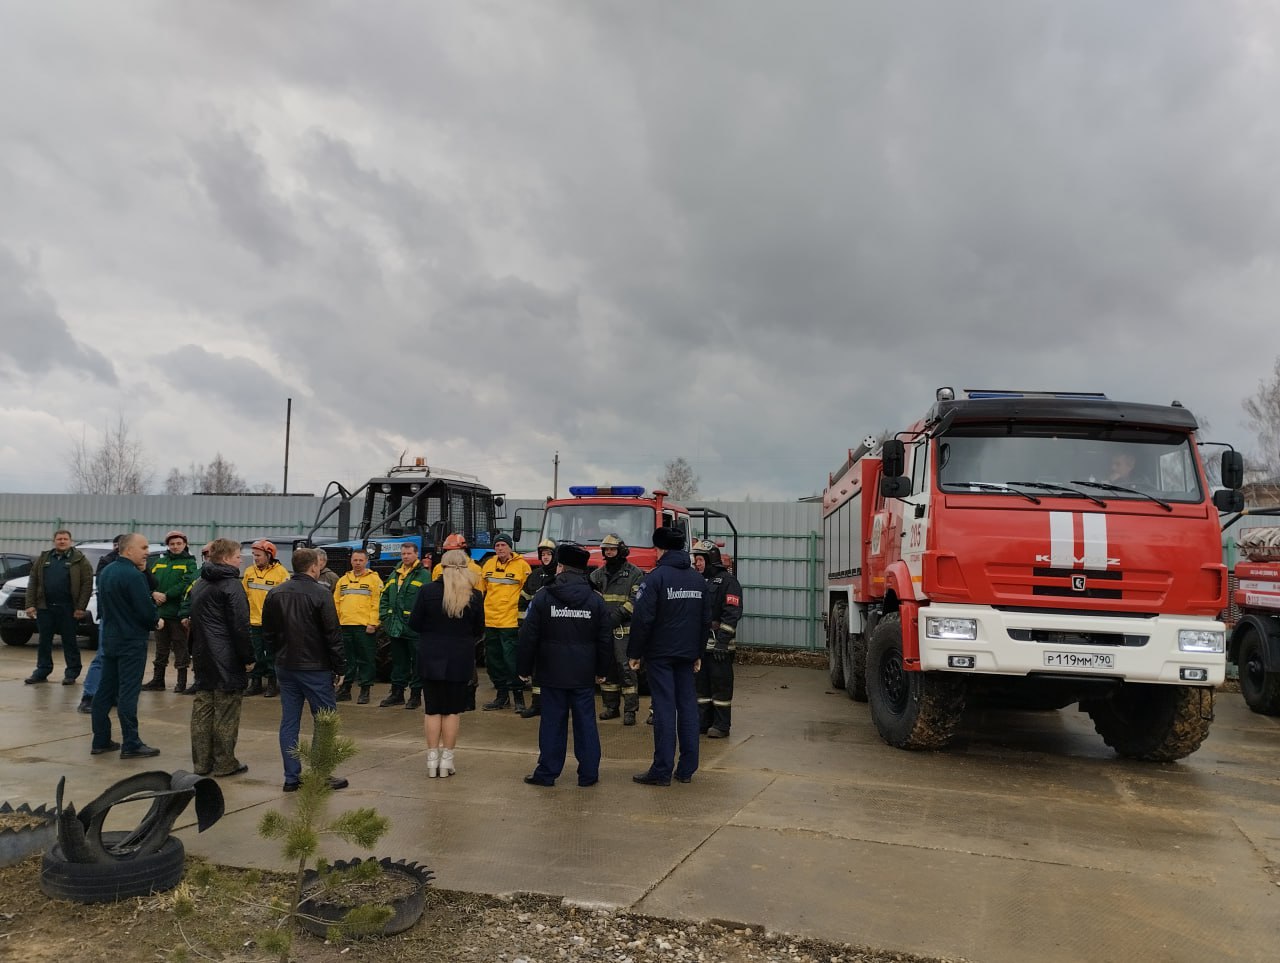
555,476
288,423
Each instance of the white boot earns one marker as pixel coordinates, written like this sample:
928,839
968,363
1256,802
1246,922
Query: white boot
446,762
433,763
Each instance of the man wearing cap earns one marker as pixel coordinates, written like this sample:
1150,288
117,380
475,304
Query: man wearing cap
668,631
539,578
501,578
618,581
259,578
715,678
174,572
565,638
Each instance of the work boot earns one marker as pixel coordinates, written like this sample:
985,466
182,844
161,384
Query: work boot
271,690
534,709
180,686
415,699
610,712
364,696
629,718
518,699
157,680
255,687
395,699
344,693
499,702
86,705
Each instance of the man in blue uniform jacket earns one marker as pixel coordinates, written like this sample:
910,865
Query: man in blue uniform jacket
669,628
566,640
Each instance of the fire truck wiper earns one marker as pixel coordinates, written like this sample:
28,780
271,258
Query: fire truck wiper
1062,489
989,487
1108,487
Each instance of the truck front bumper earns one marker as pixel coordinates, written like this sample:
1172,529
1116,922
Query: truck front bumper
1022,643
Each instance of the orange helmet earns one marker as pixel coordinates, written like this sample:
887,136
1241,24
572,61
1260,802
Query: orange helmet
454,541
266,546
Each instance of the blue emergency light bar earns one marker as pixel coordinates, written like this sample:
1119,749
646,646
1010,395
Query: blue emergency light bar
599,491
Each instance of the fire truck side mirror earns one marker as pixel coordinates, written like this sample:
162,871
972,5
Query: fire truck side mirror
898,486
517,529
1232,470
893,457
1228,500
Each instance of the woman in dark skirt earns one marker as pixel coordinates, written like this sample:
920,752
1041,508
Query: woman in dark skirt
448,617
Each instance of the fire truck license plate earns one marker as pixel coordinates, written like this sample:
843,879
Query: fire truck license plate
1080,660
22,614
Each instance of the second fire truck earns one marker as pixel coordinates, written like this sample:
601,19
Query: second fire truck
1041,549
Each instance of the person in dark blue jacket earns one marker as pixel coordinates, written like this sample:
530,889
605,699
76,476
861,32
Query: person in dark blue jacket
567,641
669,629
126,614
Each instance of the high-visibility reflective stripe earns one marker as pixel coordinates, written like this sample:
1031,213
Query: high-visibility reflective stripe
1062,539
1095,540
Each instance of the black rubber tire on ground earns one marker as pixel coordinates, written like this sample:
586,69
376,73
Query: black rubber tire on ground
1154,723
837,637
110,882
856,668
911,710
16,634
1260,688
90,631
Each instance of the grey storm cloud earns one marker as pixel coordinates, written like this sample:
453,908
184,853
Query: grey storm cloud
745,233
38,337
223,382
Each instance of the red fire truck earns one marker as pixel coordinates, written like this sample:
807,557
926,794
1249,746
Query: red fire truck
593,511
1034,548
1255,641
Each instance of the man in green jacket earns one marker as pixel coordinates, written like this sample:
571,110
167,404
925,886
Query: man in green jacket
398,596
57,596
175,572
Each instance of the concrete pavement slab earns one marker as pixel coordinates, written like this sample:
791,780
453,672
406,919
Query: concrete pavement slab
1029,840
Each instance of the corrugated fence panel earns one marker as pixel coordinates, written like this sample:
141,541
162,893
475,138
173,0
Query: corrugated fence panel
27,522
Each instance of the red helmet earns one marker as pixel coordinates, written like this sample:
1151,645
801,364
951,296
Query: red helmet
266,546
454,541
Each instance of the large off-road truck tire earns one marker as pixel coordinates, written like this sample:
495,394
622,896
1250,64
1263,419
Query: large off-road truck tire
1154,723
911,710
837,638
1260,688
855,668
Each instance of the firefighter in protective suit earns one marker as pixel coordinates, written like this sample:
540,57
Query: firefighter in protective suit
539,578
715,678
619,582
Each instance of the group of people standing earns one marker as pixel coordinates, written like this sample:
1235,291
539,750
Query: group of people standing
310,638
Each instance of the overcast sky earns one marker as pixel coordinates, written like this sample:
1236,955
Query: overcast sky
740,232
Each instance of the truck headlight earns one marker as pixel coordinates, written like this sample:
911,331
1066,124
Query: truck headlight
943,628
1201,640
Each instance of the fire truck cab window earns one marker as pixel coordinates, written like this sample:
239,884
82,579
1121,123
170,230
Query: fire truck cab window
976,458
588,524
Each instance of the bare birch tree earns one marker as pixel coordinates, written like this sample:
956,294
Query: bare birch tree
116,466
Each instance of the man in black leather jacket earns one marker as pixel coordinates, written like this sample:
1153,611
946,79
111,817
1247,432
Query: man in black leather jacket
300,624
221,651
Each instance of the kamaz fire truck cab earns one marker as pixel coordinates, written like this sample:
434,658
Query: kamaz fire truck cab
1045,548
594,511
410,503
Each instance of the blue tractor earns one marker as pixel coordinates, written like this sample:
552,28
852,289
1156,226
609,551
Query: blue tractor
410,503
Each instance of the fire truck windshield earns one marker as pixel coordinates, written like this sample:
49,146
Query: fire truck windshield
1125,462
588,524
